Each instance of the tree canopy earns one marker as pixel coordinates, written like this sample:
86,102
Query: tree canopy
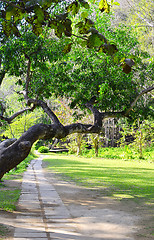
66,18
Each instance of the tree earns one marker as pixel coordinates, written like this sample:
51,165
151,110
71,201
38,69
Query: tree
38,61
138,14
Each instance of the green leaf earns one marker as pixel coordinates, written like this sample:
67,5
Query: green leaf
16,31
127,65
129,62
39,13
7,28
45,3
88,23
84,4
84,26
9,12
73,8
67,48
79,24
17,15
59,30
126,68
94,41
68,28
20,82
37,28
108,48
104,6
116,3
73,104
53,24
84,14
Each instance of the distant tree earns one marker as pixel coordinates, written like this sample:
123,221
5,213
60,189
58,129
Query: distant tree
138,14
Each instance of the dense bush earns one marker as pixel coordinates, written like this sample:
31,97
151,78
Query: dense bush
43,149
126,152
40,143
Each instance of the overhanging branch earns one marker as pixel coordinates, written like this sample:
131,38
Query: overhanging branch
10,119
149,89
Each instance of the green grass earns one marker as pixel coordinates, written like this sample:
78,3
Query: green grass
8,199
125,152
20,168
10,195
3,231
116,177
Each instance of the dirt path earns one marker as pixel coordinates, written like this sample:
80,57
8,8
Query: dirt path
101,217
92,214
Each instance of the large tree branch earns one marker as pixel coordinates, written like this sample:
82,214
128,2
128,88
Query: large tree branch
149,89
12,155
16,152
46,109
82,128
112,114
96,113
10,119
126,113
2,75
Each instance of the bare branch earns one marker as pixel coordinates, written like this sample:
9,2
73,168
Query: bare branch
2,109
49,112
136,99
44,106
2,75
81,128
10,119
112,114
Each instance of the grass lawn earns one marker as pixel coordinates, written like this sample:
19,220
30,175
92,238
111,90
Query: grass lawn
115,177
10,195
3,231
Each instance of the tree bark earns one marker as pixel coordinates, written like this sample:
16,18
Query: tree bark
16,152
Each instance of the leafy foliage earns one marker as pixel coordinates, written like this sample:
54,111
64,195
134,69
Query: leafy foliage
20,125
65,63
81,74
43,149
140,16
17,16
142,132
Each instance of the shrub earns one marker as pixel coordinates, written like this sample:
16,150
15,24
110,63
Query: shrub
43,149
39,143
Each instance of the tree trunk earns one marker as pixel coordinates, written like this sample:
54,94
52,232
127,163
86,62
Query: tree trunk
79,143
16,152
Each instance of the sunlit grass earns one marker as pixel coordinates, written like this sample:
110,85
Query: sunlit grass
20,168
3,231
8,199
118,178
123,153
10,196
